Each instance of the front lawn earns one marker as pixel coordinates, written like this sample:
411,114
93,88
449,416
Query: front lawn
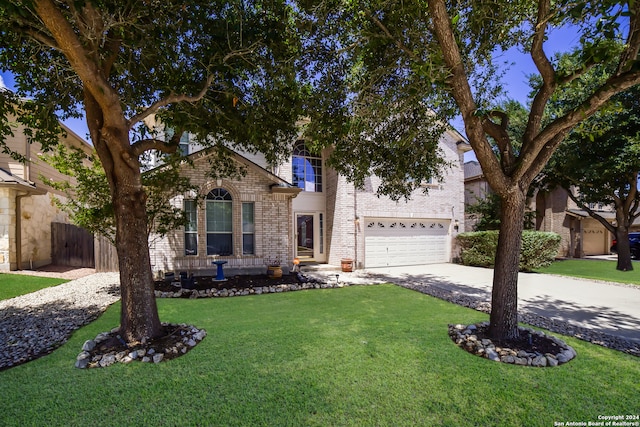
357,356
13,285
594,269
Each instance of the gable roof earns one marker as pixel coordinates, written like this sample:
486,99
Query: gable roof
19,184
278,185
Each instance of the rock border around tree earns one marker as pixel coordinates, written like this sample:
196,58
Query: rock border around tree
552,351
107,348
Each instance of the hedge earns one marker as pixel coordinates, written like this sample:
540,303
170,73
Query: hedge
539,249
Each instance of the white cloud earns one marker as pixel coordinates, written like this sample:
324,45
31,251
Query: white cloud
2,85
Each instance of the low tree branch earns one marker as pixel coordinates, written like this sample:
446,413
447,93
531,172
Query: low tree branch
632,47
546,70
591,213
79,58
499,134
171,99
169,147
390,36
462,93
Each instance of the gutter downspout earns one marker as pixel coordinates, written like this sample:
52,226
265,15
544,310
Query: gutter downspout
19,198
26,175
356,221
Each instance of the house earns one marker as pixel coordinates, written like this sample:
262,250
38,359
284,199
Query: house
581,235
27,207
476,188
303,209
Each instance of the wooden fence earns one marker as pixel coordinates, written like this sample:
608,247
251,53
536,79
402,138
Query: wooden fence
71,246
76,247
106,255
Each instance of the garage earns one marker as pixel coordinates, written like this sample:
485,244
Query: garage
405,241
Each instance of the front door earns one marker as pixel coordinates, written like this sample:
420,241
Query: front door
305,236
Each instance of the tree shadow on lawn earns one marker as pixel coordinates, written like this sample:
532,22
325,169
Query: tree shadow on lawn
598,325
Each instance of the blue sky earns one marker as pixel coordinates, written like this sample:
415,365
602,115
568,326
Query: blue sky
515,80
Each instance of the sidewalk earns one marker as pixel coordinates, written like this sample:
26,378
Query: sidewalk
610,308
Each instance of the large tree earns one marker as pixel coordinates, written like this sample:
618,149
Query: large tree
601,161
222,70
397,66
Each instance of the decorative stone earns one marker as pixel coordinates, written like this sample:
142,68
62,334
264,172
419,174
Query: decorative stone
492,355
467,338
84,355
522,361
157,358
540,361
107,360
89,345
508,359
551,360
82,363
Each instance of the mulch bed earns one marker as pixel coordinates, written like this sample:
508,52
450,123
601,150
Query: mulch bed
528,342
202,283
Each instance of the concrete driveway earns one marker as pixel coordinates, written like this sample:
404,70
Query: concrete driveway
601,306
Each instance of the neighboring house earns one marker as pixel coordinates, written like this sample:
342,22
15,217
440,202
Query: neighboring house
581,235
27,206
303,209
476,188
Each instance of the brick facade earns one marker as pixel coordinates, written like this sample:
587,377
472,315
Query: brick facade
348,208
273,234
338,213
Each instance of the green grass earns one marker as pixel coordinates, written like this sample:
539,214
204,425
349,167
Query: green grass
594,269
358,356
13,285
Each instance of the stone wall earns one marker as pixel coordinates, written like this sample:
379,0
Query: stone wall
7,228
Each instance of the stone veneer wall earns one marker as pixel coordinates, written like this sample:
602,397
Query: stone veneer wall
273,235
7,228
38,212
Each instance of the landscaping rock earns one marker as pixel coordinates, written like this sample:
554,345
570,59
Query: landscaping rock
473,338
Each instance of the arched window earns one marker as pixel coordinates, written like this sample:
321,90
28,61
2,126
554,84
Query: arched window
219,209
307,169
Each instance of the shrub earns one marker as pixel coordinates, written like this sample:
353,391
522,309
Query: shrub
539,249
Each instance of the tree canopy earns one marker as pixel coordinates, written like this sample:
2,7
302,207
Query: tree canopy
224,71
418,63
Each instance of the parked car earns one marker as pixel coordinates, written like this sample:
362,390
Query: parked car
634,244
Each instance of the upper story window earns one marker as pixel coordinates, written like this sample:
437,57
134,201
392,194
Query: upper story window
219,215
307,169
185,141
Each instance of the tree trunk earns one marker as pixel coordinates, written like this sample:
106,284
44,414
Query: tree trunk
139,320
504,296
623,248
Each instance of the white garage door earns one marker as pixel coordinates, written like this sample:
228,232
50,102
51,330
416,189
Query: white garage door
396,242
